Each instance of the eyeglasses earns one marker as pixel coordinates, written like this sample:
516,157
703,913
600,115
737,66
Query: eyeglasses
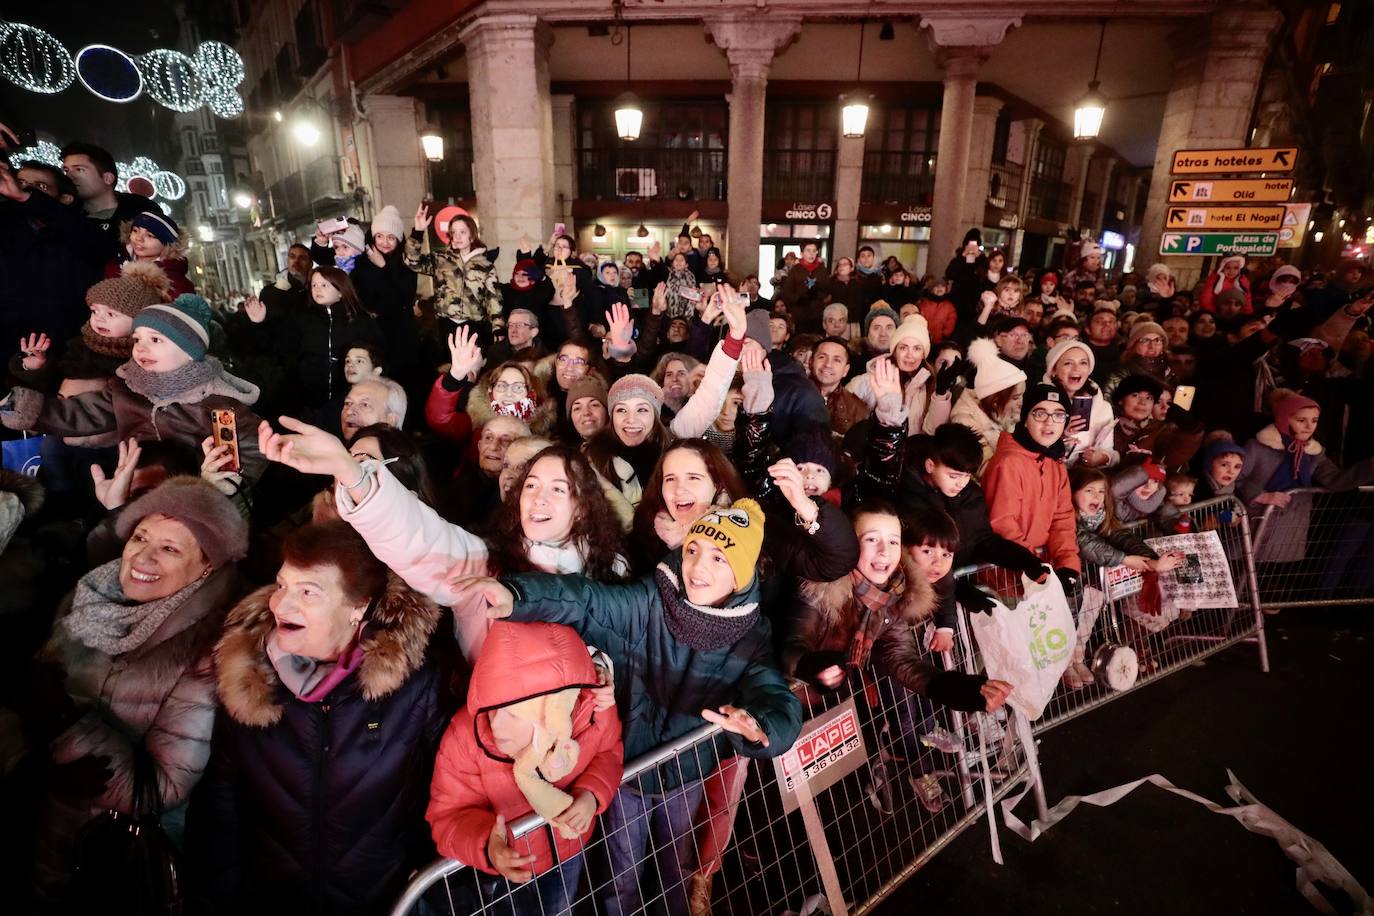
519,324
1041,415
574,361
511,387
1019,337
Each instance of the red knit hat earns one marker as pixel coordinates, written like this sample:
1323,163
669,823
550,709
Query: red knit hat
1154,472
1285,407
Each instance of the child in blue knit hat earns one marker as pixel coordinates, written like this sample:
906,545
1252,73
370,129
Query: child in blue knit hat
169,389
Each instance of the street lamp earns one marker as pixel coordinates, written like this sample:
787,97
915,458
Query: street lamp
854,110
629,117
1088,113
243,200
305,132
433,143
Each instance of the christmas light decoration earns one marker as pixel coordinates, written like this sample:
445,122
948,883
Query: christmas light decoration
34,60
43,151
172,79
109,73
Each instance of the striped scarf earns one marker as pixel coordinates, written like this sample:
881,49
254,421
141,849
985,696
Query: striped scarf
878,603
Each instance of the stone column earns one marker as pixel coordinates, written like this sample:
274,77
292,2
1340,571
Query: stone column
398,172
1217,75
1077,162
961,44
978,176
564,159
749,43
1108,167
512,129
849,179
1033,128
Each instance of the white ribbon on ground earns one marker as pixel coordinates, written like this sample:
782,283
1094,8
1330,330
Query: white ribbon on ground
1316,865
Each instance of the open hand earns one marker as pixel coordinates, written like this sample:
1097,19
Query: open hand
35,349
620,326
114,492
9,184
737,721
514,867
308,449
787,476
733,309
660,302
254,308
883,378
465,354
376,257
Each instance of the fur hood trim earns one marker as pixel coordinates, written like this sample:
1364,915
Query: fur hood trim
395,639
832,598
540,421
29,491
1270,437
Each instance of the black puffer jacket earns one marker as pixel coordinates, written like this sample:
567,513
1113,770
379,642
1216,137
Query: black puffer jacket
310,344
318,807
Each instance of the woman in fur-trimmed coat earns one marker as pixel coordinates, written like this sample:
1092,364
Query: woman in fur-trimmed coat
529,403
315,795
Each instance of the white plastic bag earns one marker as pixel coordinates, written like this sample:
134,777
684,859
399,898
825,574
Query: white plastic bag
1028,647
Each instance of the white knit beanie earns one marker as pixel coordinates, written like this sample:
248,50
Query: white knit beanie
388,220
353,237
913,328
994,373
1064,346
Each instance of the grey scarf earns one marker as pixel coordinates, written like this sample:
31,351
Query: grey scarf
103,618
189,384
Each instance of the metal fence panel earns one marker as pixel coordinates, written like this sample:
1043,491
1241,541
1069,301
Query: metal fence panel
1317,551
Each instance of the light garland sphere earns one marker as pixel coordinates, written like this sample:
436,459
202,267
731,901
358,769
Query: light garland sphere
33,59
219,64
172,79
169,185
44,151
144,166
226,103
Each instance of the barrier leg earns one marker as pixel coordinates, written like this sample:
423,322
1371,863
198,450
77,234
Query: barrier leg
1253,582
1023,731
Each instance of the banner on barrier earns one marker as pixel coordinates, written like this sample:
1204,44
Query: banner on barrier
830,747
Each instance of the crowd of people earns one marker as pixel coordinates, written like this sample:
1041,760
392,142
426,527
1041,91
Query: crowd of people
399,550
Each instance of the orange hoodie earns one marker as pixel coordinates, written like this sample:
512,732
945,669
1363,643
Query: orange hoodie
1029,502
474,782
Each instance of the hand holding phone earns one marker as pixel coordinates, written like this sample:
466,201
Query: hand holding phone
225,433
1183,397
328,227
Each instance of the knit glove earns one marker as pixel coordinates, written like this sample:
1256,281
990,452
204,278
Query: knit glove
757,391
972,598
1069,579
946,376
891,411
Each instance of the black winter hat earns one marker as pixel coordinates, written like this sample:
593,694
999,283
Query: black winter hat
1134,384
1038,393
973,235
812,444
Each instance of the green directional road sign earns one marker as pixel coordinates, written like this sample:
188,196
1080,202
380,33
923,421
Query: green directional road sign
1259,244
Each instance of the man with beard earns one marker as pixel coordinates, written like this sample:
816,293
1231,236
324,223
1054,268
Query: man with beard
829,368
1102,330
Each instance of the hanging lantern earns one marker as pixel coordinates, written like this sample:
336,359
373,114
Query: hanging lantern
433,144
629,117
854,116
1088,114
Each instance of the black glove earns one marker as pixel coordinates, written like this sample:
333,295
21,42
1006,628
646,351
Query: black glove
810,665
946,376
1036,571
972,598
84,777
1183,419
1068,578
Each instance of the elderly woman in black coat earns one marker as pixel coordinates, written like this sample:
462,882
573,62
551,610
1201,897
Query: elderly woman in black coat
315,795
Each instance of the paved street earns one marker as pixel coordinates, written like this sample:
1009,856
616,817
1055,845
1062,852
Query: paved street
1291,737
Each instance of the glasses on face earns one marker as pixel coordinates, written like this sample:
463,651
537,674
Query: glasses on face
1041,415
573,361
519,324
510,388
1019,337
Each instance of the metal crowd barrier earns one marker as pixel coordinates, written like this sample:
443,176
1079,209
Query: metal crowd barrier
1318,551
1163,642
840,820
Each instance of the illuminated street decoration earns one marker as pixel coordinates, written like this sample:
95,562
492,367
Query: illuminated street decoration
35,60
168,185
